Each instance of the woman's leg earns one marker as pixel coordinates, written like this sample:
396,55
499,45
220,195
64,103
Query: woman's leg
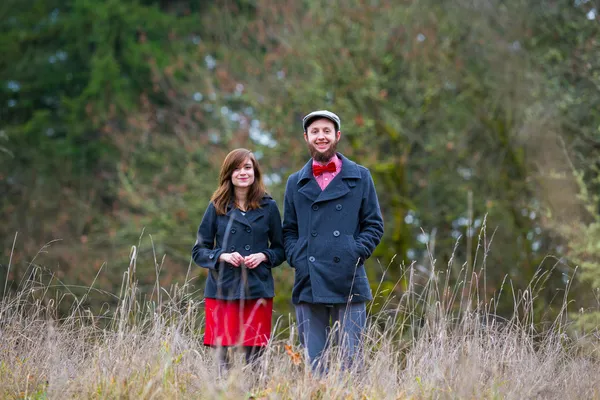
223,359
253,354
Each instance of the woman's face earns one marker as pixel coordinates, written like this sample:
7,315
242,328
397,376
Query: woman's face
243,175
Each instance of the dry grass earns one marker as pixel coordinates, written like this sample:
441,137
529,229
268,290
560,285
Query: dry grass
433,342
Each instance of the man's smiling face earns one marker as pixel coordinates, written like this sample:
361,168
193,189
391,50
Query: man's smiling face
322,138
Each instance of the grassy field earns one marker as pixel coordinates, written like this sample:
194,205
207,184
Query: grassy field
434,341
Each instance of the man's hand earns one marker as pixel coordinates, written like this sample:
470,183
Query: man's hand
254,260
234,259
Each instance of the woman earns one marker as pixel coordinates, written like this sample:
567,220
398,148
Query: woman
239,241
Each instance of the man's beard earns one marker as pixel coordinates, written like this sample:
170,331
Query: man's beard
322,157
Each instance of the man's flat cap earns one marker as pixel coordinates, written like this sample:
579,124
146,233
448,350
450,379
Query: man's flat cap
307,120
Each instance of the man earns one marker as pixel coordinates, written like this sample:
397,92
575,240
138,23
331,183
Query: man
331,225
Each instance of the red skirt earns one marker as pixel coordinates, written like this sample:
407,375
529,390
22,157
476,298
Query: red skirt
238,322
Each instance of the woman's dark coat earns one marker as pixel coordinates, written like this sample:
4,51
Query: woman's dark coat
257,231
328,234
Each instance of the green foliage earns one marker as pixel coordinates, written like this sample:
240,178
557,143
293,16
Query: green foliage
436,108
567,47
477,121
72,74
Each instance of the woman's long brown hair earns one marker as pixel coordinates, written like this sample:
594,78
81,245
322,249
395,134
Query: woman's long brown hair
225,192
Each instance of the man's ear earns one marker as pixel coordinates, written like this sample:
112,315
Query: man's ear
339,134
305,137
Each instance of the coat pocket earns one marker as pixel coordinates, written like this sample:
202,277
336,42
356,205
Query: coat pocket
349,255
336,266
298,253
262,273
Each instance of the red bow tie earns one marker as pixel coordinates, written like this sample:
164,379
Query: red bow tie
319,169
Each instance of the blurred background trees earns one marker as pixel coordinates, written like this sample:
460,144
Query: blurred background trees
115,117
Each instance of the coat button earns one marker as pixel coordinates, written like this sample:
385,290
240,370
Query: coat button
248,230
232,248
336,233
314,234
338,207
311,259
315,207
247,247
211,256
232,230
336,259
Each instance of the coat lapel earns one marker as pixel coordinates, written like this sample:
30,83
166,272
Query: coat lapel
251,215
254,215
340,185
307,183
234,214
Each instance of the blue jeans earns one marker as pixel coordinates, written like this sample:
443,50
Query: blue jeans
315,324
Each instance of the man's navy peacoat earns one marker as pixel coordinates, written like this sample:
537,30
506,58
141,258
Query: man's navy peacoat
259,231
328,234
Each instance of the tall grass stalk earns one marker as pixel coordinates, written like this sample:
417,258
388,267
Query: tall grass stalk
434,339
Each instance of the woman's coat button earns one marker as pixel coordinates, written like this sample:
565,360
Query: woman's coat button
338,207
247,247
336,259
315,207
311,259
336,233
